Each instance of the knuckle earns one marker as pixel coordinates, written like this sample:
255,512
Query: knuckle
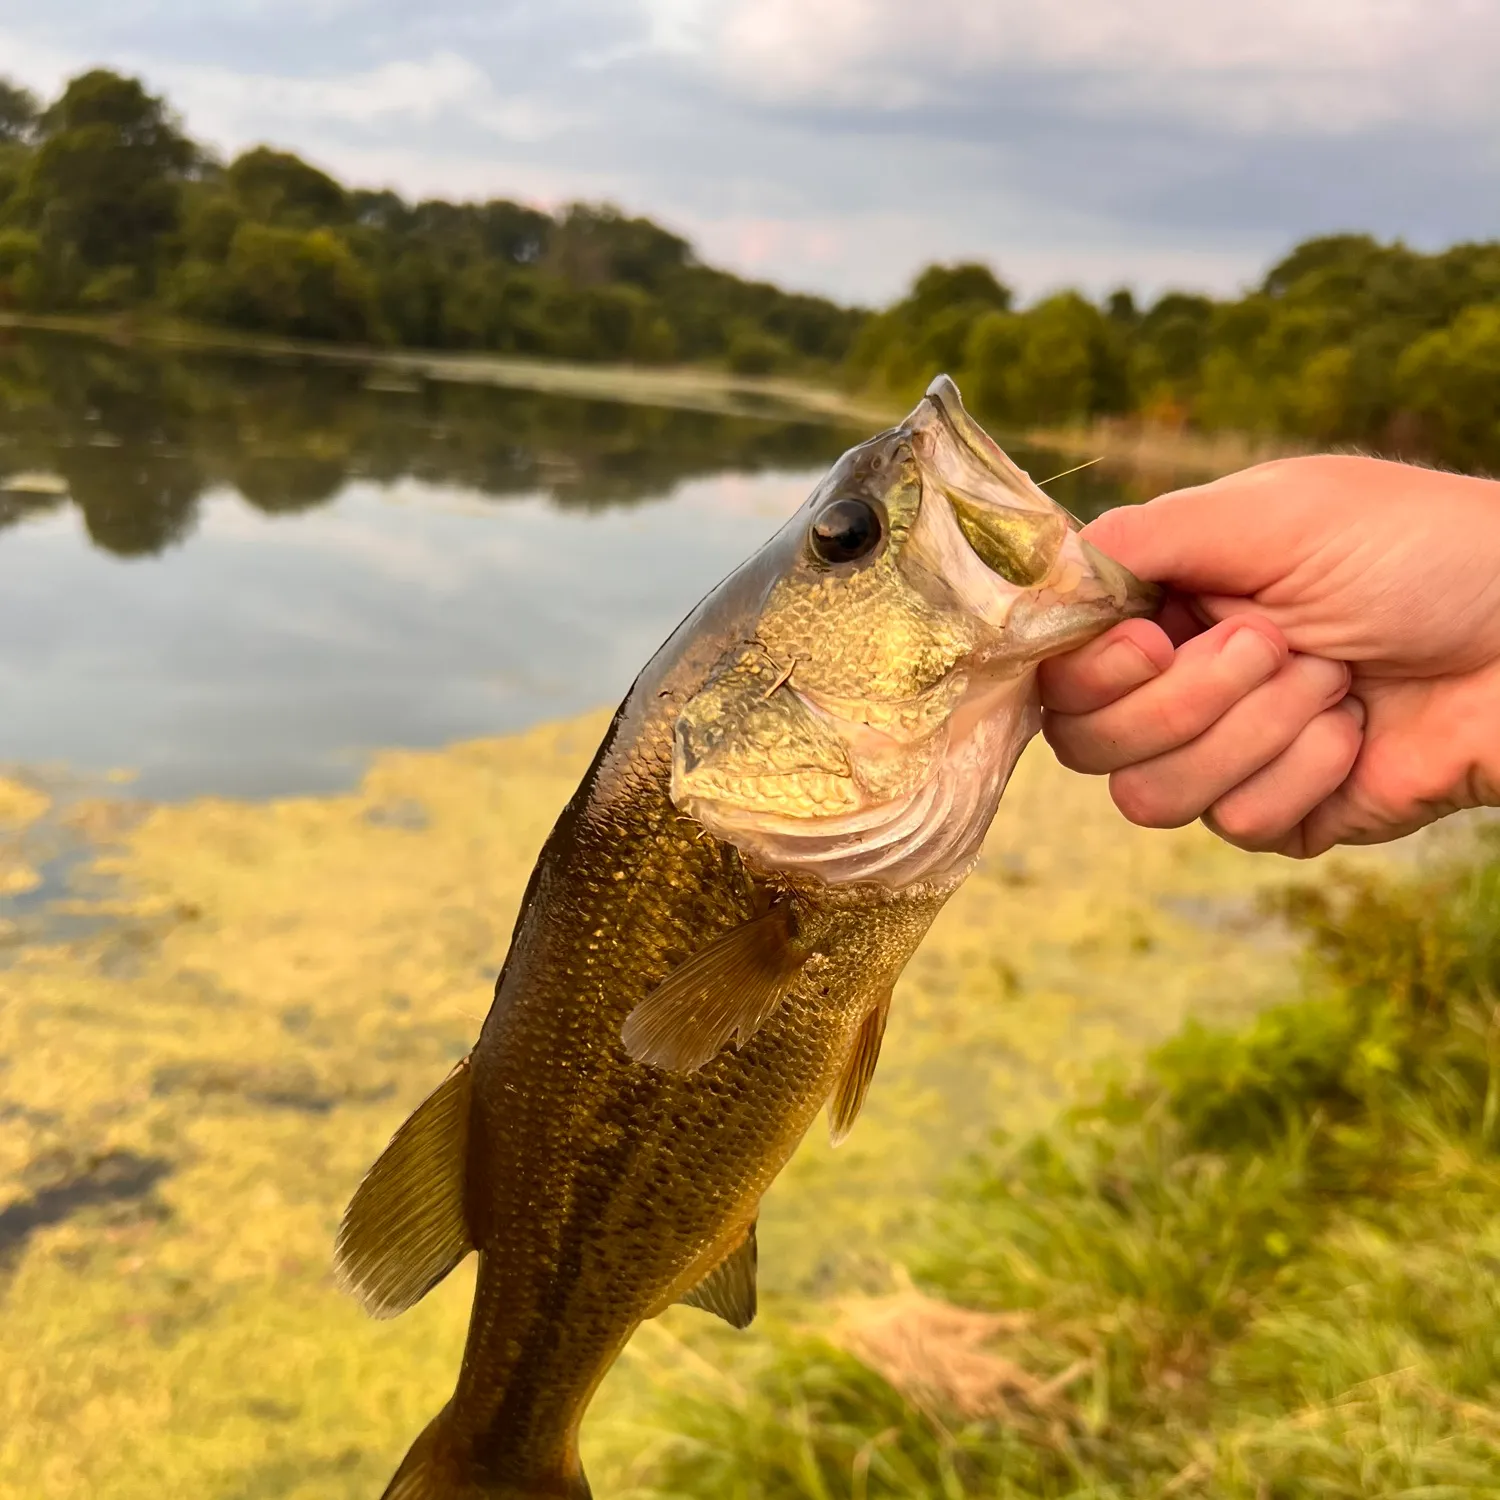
1238,821
1143,800
1176,720
1062,733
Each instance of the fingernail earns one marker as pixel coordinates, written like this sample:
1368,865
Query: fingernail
1329,679
1356,709
1250,653
1125,665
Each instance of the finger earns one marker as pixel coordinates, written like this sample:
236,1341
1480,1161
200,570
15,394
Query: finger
1273,810
1175,788
1228,537
1402,781
1182,617
1208,675
1106,668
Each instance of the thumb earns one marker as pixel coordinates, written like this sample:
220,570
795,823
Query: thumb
1235,536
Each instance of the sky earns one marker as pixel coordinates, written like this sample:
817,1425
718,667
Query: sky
839,145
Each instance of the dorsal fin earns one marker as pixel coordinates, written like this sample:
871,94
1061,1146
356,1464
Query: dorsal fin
405,1228
725,991
728,1291
848,1096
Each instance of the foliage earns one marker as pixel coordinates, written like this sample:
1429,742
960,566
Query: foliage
102,187
1345,340
126,211
900,349
18,112
1267,1270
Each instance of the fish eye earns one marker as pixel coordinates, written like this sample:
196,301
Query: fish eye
845,530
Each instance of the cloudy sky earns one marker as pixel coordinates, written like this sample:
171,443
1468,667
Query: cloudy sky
839,144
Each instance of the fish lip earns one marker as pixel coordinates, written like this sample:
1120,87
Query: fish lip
1110,592
943,396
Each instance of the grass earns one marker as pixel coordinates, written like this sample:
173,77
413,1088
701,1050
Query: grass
1269,1268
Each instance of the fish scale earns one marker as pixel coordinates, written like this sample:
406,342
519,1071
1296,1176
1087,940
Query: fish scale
702,958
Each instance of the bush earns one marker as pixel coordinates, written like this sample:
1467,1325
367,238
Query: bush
754,352
290,282
107,290
1268,1269
20,254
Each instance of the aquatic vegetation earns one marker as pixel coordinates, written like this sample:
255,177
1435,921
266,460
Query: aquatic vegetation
192,1080
20,806
1267,1268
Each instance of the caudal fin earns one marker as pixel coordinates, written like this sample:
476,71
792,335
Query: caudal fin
440,1468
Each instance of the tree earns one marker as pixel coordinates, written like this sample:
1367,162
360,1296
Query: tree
104,184
966,284
1450,379
19,112
512,232
991,353
902,348
19,253
276,187
1063,371
304,284
591,245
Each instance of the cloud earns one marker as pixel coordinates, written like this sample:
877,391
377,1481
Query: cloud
839,144
393,96
1278,66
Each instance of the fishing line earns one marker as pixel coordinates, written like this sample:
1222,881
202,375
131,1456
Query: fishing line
1076,467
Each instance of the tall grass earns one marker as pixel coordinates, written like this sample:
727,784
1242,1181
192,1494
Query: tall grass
1271,1268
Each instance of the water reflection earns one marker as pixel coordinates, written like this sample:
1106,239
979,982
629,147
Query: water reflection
349,581
137,437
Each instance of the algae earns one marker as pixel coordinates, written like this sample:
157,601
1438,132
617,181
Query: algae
264,991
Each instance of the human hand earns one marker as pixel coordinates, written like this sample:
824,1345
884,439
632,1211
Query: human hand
1328,673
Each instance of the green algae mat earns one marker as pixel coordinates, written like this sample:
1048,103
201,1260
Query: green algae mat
205,1043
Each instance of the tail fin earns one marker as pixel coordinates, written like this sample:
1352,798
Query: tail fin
440,1468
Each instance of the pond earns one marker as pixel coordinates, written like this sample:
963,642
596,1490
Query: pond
240,576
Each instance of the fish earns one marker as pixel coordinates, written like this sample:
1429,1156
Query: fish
706,951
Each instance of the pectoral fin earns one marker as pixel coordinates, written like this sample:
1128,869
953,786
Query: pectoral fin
725,992
405,1228
728,1291
848,1096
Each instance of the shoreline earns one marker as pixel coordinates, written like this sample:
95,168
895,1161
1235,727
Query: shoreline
688,387
1123,444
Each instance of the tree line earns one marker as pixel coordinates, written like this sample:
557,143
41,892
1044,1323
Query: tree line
107,204
1345,342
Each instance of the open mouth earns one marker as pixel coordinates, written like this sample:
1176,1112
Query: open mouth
1016,561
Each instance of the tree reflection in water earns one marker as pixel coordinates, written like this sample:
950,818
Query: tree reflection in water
138,436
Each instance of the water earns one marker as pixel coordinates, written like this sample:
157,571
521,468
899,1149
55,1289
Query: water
237,576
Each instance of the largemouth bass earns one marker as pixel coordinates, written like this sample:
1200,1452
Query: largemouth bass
704,957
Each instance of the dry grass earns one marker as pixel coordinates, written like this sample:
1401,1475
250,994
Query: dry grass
1156,457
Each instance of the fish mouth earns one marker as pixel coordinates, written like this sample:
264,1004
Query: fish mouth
1011,553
